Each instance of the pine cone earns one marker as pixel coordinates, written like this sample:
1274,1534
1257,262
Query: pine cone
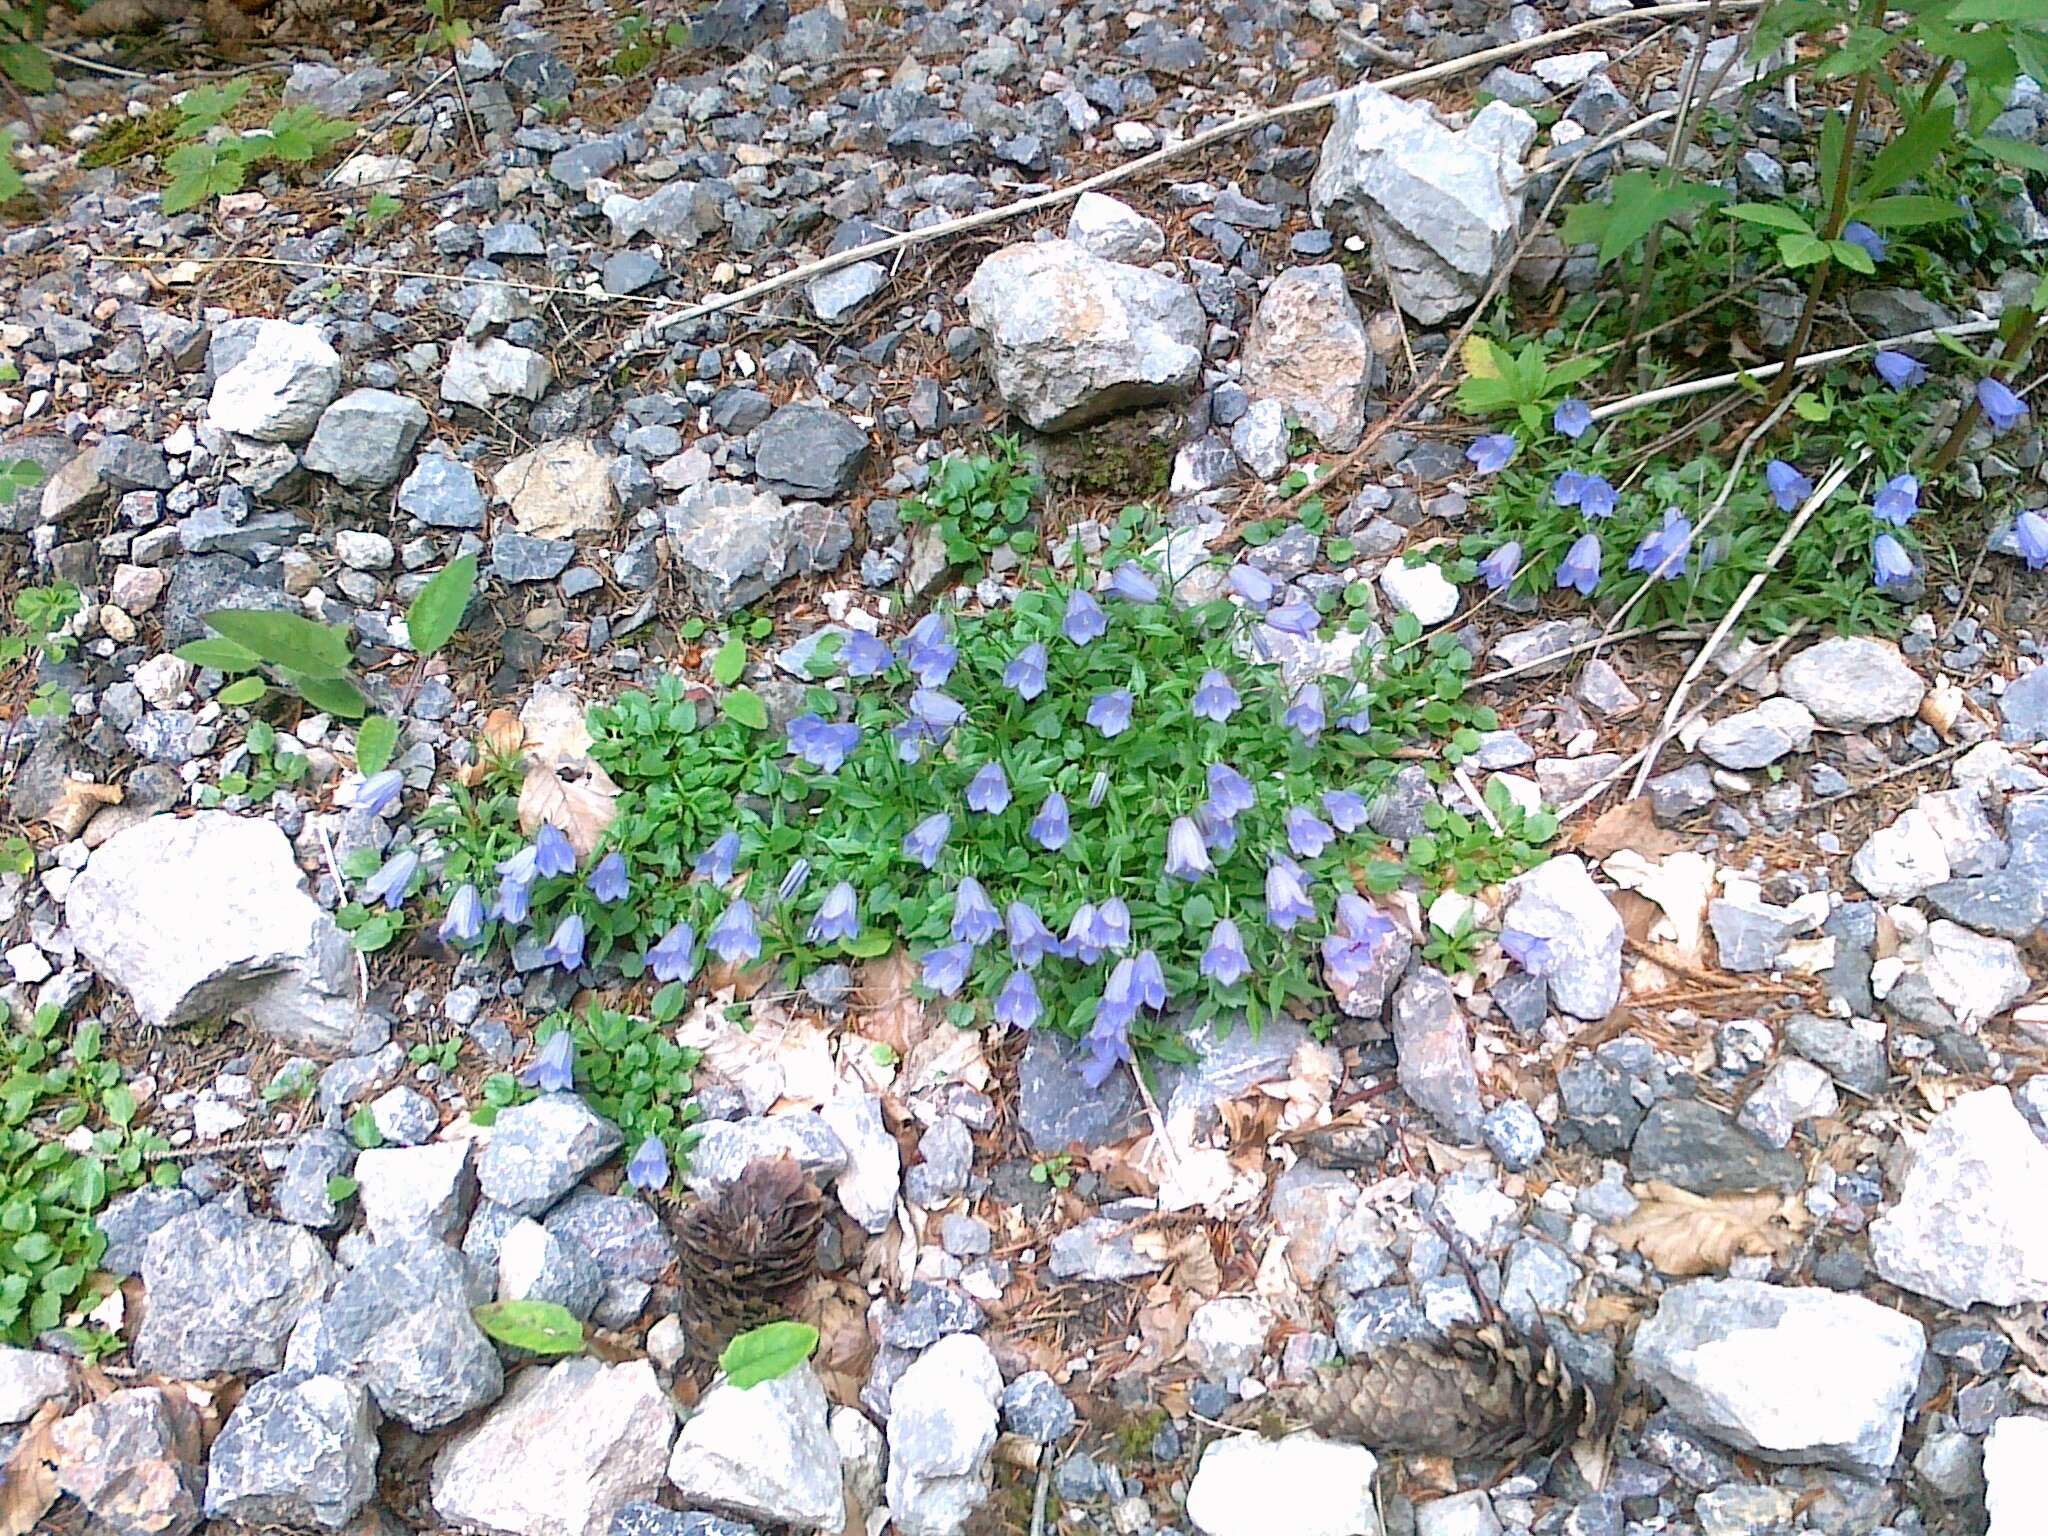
1480,1392
748,1254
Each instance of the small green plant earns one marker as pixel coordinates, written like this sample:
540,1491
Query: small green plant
448,34
51,1188
765,1353
296,1079
628,1069
542,1328
363,1130
266,768
206,166
1057,1171
17,855
1453,949
381,207
441,1055
41,613
642,44
1523,381
979,503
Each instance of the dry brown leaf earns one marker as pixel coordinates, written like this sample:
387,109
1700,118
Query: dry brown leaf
1190,1261
889,1011
504,733
30,1487
1611,1310
1684,1234
1628,825
580,798
78,802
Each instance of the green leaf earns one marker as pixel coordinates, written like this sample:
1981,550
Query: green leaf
336,695
221,655
300,134
730,661
1801,250
1770,215
202,171
362,1129
376,738
436,613
1834,133
1853,256
764,1353
1998,10
244,690
745,707
286,640
1908,212
204,106
341,1187
537,1327
118,1105
10,174
26,65
2013,152
1911,154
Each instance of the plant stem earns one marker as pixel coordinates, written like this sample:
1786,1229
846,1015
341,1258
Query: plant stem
1838,214
2010,357
1934,84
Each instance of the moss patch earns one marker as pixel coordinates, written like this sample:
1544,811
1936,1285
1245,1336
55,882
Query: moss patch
1129,456
133,137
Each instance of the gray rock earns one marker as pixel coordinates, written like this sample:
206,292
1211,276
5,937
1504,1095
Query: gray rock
399,1323
1072,338
297,1451
416,1192
1058,1110
283,377
1793,1091
535,1264
728,1146
766,1453
29,1378
1681,793
203,916
443,493
518,559
1758,737
867,1187
643,1519
681,214
1558,902
1850,682
1325,1486
1969,1225
130,1222
1514,1135
1307,349
539,1150
807,451
840,293
942,1431
482,373
1739,1359
225,1290
1899,862
622,1233
1441,207
1104,227
2024,704
946,1154
404,1117
133,1460
1693,1145
1751,935
570,1447
1258,439
316,1159
737,545
1852,1058
1100,1249
1434,1046
366,438
1034,1407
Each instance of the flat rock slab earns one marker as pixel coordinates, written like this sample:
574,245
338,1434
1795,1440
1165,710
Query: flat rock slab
1325,1487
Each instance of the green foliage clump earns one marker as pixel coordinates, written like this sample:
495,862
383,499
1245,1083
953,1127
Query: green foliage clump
204,167
41,612
979,503
50,1087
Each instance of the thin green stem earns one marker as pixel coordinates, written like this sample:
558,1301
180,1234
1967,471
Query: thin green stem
2010,357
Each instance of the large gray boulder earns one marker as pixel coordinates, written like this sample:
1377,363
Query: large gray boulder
1744,1361
225,1290
569,1446
765,1453
297,1451
281,377
366,438
942,1431
204,916
737,544
1072,338
1441,206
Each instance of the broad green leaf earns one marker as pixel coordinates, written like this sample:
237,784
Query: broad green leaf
730,661
1801,250
341,1187
1908,211
1853,256
335,695
871,945
118,1105
537,1327
2016,153
286,640
221,655
301,134
1770,215
746,707
27,66
202,171
206,105
1998,10
10,174
1481,358
764,1353
376,738
1911,154
1866,48
243,690
436,613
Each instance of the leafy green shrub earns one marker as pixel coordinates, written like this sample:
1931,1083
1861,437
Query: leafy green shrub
202,167
49,1193
979,503
42,612
921,804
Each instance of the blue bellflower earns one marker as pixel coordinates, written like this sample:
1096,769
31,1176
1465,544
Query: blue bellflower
1499,568
1230,792
1224,961
1897,501
864,655
1856,232
1347,811
1890,565
1287,899
1109,1042
389,883
1899,370
1598,499
989,790
1187,855
974,916
794,882
2031,534
2001,407
1663,550
838,916
1252,584
1493,453
1113,924
1017,1005
1025,675
927,653
648,1169
464,919
674,957
735,937
1307,833
554,1069
1572,418
1081,942
1030,940
379,792
1568,489
1085,620
1050,828
1215,697
1305,714
1110,712
822,744
927,840
946,968
552,852
1528,950
1129,582
565,949
1295,618
716,862
1348,953
1789,488
515,886
608,882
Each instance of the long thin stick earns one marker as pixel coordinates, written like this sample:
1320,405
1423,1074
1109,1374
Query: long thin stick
1830,483
650,334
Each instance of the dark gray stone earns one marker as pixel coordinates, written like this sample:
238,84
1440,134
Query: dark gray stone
518,558
225,1289
809,452
1599,1104
130,1221
299,1452
1851,1058
443,493
1034,1407
1693,1145
1058,1110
